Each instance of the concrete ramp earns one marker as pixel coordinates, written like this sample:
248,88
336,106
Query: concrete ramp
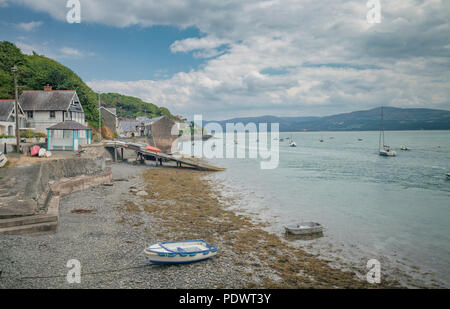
143,152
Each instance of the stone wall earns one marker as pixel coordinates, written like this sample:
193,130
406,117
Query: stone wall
32,181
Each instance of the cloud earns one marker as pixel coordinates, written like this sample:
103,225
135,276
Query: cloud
47,49
29,26
70,52
288,56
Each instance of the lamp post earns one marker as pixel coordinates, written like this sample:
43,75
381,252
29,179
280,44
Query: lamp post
16,107
99,118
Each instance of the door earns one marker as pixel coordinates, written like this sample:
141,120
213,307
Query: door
75,140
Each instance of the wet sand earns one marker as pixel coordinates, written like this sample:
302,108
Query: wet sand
188,206
106,229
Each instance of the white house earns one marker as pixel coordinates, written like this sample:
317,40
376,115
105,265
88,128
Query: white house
7,118
49,107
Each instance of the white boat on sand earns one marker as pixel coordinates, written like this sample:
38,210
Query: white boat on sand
304,228
175,252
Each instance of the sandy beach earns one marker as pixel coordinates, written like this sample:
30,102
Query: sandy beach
106,229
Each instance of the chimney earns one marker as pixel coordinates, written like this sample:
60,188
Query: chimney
47,88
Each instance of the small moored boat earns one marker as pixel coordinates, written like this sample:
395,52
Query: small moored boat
447,175
174,252
154,149
304,228
386,150
404,148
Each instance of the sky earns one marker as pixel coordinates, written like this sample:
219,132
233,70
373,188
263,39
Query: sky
234,58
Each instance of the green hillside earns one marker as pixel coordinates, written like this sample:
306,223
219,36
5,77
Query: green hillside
35,71
131,107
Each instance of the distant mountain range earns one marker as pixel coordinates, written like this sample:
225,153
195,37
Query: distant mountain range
367,120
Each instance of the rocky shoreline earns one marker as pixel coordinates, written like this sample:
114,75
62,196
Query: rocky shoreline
106,229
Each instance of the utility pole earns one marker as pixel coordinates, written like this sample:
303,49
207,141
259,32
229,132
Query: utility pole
16,107
99,118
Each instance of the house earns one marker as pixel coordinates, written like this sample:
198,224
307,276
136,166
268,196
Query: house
127,127
49,107
68,135
109,117
142,122
162,132
7,118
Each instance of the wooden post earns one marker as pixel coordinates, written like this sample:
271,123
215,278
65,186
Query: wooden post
121,153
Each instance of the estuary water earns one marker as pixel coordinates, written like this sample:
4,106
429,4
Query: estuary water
393,209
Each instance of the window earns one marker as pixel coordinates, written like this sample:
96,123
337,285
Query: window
30,115
52,114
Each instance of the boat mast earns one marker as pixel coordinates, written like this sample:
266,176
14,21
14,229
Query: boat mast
382,131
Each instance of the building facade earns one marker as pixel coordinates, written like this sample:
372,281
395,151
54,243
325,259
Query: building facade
162,132
68,135
109,117
8,118
47,108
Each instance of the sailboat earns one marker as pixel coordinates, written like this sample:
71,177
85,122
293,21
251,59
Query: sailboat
386,150
291,142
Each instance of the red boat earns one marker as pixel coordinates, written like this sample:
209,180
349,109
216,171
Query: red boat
154,149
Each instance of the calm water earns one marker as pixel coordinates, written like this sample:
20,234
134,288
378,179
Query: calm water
396,209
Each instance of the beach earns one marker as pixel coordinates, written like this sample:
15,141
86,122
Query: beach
106,228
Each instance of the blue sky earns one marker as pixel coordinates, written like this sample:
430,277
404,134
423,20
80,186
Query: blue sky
107,52
232,58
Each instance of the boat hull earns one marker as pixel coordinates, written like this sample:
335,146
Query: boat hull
385,153
156,259
304,229
177,252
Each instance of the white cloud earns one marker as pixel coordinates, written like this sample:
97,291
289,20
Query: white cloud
191,44
47,49
329,57
29,26
70,52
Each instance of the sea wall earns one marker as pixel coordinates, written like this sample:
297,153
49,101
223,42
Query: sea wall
30,183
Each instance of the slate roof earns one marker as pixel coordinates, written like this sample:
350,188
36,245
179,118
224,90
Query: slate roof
6,107
112,110
153,120
68,125
128,125
143,119
56,100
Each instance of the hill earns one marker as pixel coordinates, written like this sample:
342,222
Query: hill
131,107
35,71
367,120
